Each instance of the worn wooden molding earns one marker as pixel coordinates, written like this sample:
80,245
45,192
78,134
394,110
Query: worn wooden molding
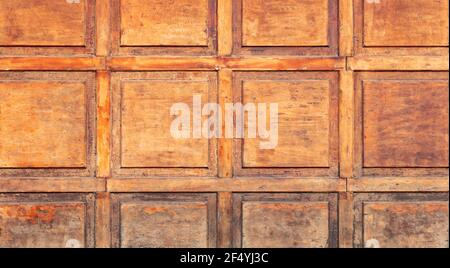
52,63
102,220
346,123
225,146
227,185
102,9
103,124
225,27
410,184
217,63
346,27
398,63
47,185
224,219
346,220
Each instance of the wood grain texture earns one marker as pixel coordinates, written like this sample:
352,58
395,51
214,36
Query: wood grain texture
103,124
401,220
47,124
46,221
405,123
43,124
274,27
307,127
277,23
284,220
164,220
388,23
142,141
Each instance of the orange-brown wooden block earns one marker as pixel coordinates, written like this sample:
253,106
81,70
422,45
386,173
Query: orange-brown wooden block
43,23
163,220
405,123
405,23
46,221
284,220
285,23
164,23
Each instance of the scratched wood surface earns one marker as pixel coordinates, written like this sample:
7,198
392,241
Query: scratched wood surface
87,158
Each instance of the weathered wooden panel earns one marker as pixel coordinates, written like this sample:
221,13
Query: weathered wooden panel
401,27
46,220
158,220
403,123
143,105
164,27
284,220
401,220
31,25
290,27
44,121
278,23
307,122
162,23
406,23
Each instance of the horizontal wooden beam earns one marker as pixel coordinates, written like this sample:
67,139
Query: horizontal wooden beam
46,185
438,184
227,185
398,63
217,63
52,63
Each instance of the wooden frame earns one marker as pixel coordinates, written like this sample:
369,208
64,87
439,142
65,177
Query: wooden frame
330,50
117,170
88,79
209,200
360,170
87,49
118,49
330,171
361,49
330,199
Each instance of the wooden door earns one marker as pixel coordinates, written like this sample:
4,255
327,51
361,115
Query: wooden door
87,158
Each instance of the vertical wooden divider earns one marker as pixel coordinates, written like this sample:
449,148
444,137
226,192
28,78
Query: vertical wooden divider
346,123
345,28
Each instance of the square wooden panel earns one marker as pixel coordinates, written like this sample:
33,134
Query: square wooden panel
284,220
163,220
307,124
402,123
182,27
142,140
401,27
401,220
47,123
47,220
265,27
47,27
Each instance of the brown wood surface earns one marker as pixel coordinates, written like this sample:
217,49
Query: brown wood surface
87,160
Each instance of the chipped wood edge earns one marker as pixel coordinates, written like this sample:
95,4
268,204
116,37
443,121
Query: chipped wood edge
399,63
346,123
224,219
408,184
225,27
103,124
47,185
225,144
346,27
